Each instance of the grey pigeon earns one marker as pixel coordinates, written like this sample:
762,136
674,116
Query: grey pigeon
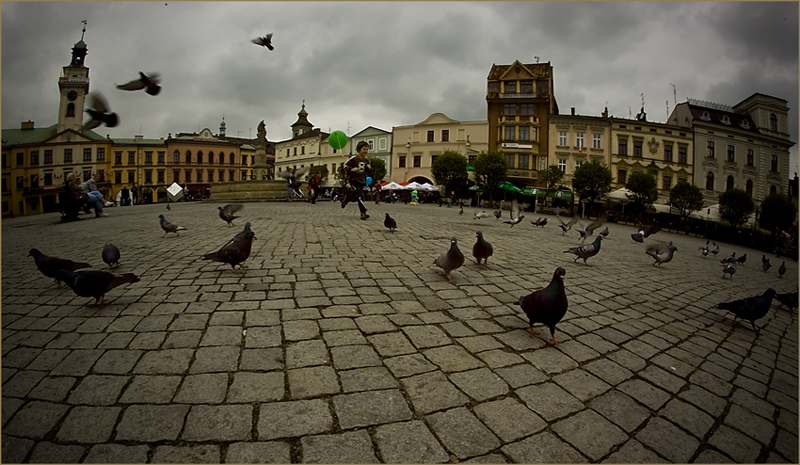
604,232
111,255
481,249
265,41
50,265
540,222
100,112
660,253
548,305
498,214
728,259
782,269
149,83
741,259
390,223
729,268
236,251
586,231
514,212
566,226
645,231
94,283
226,212
789,300
751,308
765,264
461,211
168,207
481,214
450,260
169,227
586,251
715,250
704,250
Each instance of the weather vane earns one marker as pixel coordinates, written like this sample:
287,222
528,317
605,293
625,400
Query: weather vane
84,28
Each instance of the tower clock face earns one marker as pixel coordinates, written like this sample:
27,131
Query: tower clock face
72,95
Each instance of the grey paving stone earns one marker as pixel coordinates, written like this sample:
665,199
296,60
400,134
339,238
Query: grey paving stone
167,361
14,449
182,339
581,384
98,390
543,448
490,458
549,400
426,336
262,336
202,389
151,423
590,433
452,358
48,452
343,338
480,384
577,351
634,452
367,379
609,371
77,363
307,353
668,440
645,393
462,433
219,423
521,375
88,425
117,361
373,324
408,365
202,453
688,417
10,407
262,359
391,344
786,444
35,419
150,390
739,447
705,400
430,392
313,382
256,387
54,389
509,419
370,408
480,343
409,442
621,409
712,456
499,358
294,418
215,359
358,356
550,360
349,447
116,453
258,452
750,424
300,330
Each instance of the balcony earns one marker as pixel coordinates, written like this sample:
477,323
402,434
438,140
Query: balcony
515,96
518,119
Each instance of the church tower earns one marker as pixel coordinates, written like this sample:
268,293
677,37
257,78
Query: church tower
302,125
73,85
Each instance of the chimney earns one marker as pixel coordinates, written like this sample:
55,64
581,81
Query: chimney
572,111
605,112
27,124
138,137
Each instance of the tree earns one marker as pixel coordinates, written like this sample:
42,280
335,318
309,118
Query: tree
643,190
592,180
777,213
735,207
491,169
378,170
552,178
449,170
321,169
686,198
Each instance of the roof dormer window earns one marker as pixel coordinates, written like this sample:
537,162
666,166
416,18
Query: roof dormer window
744,124
705,116
726,120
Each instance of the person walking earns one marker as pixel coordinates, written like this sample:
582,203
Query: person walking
356,168
314,185
125,196
135,193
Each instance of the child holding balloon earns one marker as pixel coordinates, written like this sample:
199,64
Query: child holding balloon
356,168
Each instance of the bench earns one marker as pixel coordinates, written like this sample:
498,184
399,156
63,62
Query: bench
70,207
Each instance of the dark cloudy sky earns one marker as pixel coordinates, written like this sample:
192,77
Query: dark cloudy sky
387,64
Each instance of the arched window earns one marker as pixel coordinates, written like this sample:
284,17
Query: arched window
188,157
210,158
70,110
199,157
710,181
748,187
231,159
773,122
176,157
773,189
729,183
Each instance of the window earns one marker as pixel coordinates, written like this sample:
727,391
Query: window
710,149
430,136
524,133
148,158
188,157
510,109
20,158
34,157
87,174
525,87
101,154
70,110
527,109
773,189
562,138
622,176
302,152
748,187
148,176
176,157
579,140
731,154
131,158
417,161
48,157
510,133
750,157
445,137
510,87
774,163
682,154
773,122
34,181
48,179
729,183
401,161
221,176
524,160
67,155
160,176
118,177
211,158
680,180
244,160
199,175
231,174
288,152
667,152
131,177
510,159
472,159
637,148
187,176
623,147
161,156
710,181
667,183
87,154
231,160
597,142
176,176
20,182
562,164
493,87
200,158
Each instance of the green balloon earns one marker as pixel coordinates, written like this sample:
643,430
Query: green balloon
337,139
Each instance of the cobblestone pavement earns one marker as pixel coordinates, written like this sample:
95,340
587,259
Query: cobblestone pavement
342,343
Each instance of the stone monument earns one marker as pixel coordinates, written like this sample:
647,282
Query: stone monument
262,169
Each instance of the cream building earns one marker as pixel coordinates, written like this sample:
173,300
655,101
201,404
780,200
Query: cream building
575,139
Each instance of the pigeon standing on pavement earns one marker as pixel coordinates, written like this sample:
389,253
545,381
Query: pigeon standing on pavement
461,210
765,264
168,207
390,223
660,253
226,212
586,251
265,41
498,214
111,255
94,283
481,249
751,308
728,259
100,112
235,252
149,83
729,268
782,269
789,300
169,227
480,215
50,265
741,259
450,260
704,249
604,232
548,305
715,250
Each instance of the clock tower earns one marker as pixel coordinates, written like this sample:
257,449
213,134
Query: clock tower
73,85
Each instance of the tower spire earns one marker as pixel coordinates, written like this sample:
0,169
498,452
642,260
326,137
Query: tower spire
84,28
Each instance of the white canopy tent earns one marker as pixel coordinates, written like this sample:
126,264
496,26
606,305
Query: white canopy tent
392,186
429,187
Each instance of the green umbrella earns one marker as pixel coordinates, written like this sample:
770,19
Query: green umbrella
478,188
507,186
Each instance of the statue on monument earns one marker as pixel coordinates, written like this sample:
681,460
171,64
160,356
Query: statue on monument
262,168
262,136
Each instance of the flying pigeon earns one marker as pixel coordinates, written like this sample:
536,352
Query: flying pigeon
514,212
548,305
661,253
481,249
226,212
645,231
236,251
765,264
588,230
111,255
729,268
50,265
782,269
751,308
540,222
149,83
741,259
169,227
604,232
586,251
390,223
715,250
450,260
94,283
789,300
100,112
566,226
480,214
498,214
265,41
